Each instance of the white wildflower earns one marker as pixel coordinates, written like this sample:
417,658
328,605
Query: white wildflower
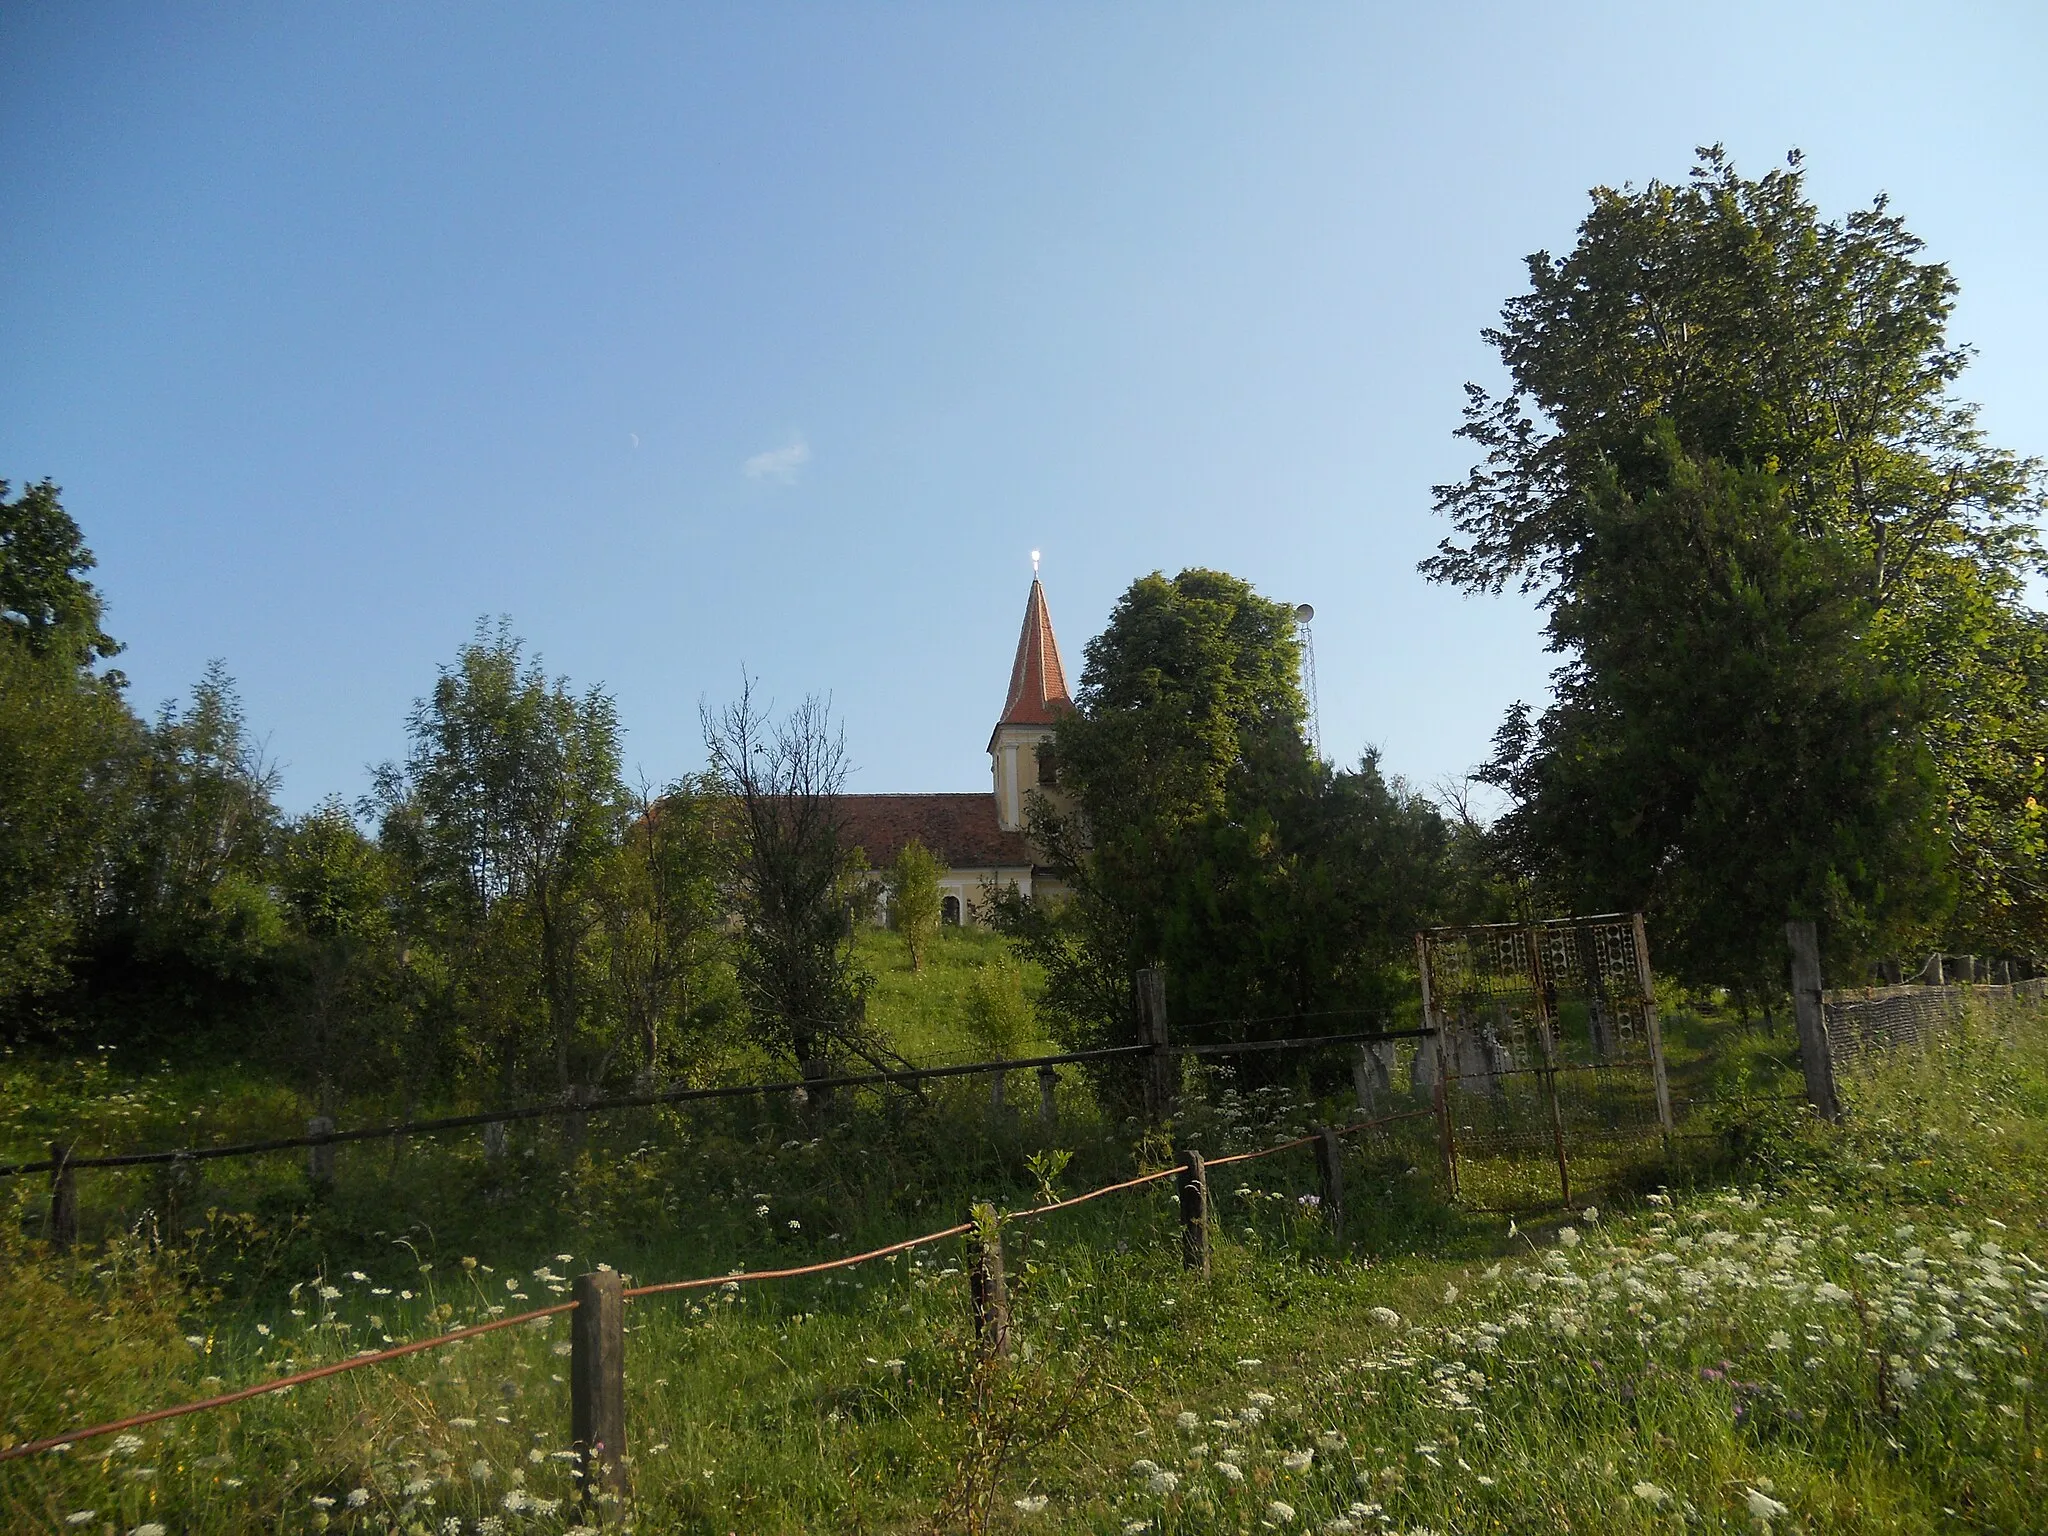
321,1501
1187,1420
1763,1508
1590,1215
79,1516
358,1497
1450,1295
1386,1317
1163,1483
1779,1341
1330,1440
148,1528
1652,1494
329,1293
1031,1503
1568,1236
1261,1399
127,1445
480,1470
1144,1468
1297,1461
1229,1471
1250,1364
1279,1513
1827,1290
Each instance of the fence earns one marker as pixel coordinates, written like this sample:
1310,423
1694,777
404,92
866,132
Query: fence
1863,1026
1544,1037
597,1337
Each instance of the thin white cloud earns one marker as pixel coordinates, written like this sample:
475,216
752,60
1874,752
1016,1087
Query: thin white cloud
782,465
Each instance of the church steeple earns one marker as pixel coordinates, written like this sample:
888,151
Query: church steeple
1038,683
1038,697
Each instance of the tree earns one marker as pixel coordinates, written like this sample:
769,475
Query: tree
796,969
663,918
67,742
998,1015
511,802
914,899
335,883
1729,410
188,931
1204,836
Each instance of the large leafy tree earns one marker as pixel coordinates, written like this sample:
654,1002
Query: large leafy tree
505,813
1777,555
67,741
1197,831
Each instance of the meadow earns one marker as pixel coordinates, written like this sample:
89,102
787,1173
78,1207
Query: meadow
1779,1325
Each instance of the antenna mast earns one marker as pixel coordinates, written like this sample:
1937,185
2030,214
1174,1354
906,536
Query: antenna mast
1304,617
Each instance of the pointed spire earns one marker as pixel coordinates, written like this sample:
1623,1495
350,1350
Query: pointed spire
1038,683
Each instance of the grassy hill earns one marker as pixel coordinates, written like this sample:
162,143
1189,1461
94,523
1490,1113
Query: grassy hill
1787,1326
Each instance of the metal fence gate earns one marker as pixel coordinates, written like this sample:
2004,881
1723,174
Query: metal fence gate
1546,1040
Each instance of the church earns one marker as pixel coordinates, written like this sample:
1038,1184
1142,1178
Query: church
979,839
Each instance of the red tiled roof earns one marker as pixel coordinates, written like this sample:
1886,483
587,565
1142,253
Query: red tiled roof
961,830
1038,683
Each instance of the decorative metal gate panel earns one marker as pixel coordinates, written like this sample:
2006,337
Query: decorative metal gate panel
1547,1036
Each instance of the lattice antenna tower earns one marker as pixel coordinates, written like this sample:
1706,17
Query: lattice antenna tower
1304,618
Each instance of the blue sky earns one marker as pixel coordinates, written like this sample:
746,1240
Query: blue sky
778,335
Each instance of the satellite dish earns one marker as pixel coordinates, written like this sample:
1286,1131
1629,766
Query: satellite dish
1303,613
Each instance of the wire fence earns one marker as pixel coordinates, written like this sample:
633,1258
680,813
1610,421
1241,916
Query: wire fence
685,1094
1865,1026
734,1278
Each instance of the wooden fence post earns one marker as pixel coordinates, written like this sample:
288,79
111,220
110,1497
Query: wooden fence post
1158,1065
63,1198
1330,1169
1440,1098
986,1288
1048,1108
1814,1057
1194,1212
597,1384
320,1156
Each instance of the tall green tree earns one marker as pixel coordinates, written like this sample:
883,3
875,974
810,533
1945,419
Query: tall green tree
343,982
511,802
1730,450
188,932
782,779
667,967
914,908
1199,832
67,742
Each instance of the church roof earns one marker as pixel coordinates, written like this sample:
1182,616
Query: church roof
960,829
1038,683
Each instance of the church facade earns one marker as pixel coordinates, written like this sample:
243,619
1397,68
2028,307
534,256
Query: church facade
980,839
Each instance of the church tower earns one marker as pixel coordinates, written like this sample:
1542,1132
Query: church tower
1038,697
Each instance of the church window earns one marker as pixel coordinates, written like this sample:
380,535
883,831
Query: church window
1048,764
949,909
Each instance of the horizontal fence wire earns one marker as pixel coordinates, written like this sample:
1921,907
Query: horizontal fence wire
705,1282
680,1096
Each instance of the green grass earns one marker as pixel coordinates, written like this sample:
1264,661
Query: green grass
920,1012
1847,1322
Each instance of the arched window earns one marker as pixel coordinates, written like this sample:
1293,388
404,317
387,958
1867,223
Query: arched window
949,909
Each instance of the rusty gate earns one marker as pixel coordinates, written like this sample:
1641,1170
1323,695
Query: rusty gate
1546,1038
